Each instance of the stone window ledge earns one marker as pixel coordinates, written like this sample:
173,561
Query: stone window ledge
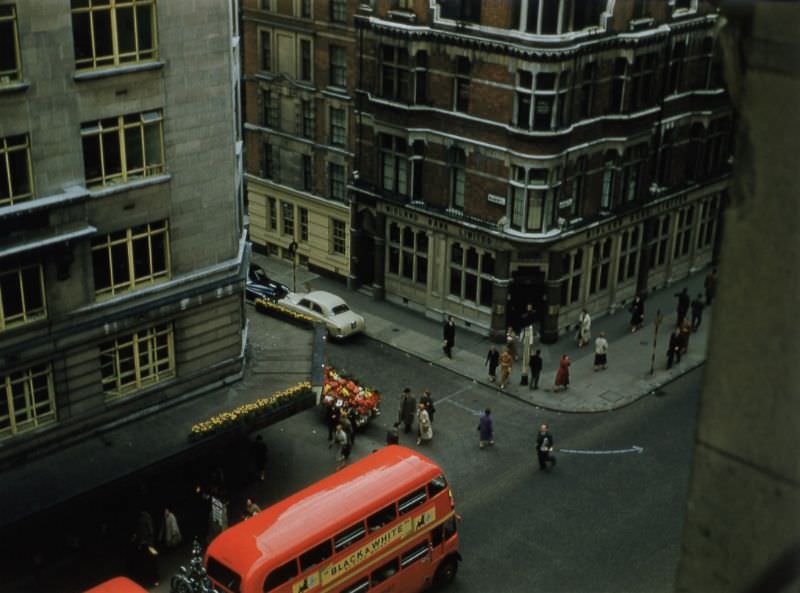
110,190
17,86
117,70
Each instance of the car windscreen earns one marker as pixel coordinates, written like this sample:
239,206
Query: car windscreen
340,309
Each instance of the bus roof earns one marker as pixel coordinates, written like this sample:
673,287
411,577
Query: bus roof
117,585
285,529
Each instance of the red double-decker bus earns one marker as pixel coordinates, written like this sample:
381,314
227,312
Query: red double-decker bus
386,522
117,585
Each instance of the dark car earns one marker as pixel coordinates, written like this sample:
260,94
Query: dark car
259,285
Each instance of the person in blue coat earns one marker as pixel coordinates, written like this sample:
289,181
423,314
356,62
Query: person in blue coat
486,429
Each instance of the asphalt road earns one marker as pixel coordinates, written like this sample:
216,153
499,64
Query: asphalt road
598,522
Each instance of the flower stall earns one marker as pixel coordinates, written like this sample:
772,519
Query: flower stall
342,392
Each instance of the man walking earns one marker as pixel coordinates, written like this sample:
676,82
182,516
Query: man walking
683,305
600,352
674,349
506,360
544,447
427,401
449,336
344,447
408,409
535,364
493,359
697,312
486,429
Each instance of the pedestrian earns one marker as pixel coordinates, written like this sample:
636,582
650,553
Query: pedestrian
674,348
511,342
408,409
584,328
344,447
711,286
251,508
424,425
332,418
637,314
528,318
145,551
170,533
393,435
347,425
493,359
449,336
427,400
600,352
544,447
686,333
697,312
562,375
258,450
486,429
505,367
683,305
535,364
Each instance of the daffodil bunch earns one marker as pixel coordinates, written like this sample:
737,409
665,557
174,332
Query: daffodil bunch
272,307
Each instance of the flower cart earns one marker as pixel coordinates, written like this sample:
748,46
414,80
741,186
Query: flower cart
344,393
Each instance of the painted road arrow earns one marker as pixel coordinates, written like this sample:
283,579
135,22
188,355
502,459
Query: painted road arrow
634,449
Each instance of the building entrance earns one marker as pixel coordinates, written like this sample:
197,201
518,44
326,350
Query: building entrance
527,286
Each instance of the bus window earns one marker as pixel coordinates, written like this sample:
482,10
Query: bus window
349,536
316,555
359,586
412,501
416,553
223,575
384,516
450,528
436,485
280,575
384,572
437,535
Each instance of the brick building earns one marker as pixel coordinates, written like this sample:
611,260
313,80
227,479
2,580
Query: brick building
299,71
122,246
470,157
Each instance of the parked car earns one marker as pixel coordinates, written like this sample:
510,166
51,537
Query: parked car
259,285
328,308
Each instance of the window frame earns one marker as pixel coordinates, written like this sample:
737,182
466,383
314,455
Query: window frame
600,269
572,263
36,411
337,122
395,73
147,339
125,128
29,312
461,275
114,8
338,66
630,253
338,236
108,243
557,96
287,218
337,181
14,75
21,142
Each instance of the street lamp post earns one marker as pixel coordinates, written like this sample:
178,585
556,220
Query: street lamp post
293,254
527,347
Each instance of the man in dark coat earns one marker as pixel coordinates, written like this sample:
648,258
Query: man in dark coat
449,336
683,305
427,401
408,409
528,318
675,346
535,364
544,447
492,359
697,312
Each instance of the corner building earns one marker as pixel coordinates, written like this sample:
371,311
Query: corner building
122,245
564,153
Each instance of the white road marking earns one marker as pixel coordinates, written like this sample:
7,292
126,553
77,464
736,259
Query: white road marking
634,449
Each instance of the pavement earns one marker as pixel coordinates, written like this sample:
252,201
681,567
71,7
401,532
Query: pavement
626,378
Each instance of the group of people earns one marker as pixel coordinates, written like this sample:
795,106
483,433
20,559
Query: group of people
679,338
423,411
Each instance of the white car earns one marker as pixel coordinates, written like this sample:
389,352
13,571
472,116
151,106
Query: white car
328,308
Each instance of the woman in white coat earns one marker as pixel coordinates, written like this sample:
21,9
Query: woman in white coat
424,424
584,328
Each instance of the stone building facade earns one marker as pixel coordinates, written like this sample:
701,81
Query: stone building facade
555,152
122,244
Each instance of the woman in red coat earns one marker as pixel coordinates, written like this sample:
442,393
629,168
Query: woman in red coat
562,376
